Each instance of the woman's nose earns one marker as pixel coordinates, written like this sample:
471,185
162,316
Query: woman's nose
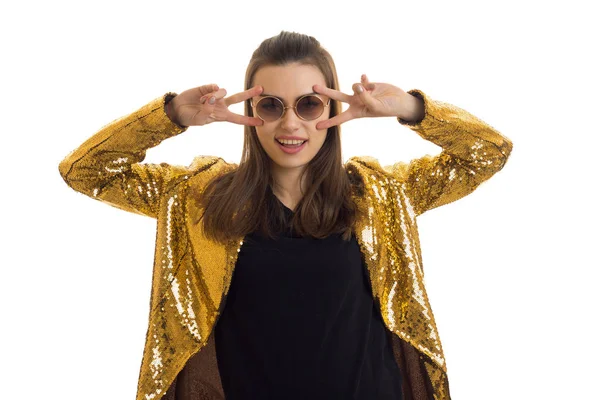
289,119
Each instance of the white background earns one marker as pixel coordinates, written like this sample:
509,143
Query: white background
511,270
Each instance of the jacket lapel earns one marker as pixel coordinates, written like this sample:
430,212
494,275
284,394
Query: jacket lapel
213,262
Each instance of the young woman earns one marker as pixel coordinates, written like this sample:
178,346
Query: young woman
290,275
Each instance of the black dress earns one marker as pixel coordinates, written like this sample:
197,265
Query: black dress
300,323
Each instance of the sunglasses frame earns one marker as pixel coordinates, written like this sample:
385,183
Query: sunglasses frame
295,106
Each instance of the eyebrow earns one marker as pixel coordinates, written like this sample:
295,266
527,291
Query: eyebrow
272,95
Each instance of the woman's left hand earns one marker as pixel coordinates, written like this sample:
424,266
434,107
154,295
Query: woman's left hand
374,100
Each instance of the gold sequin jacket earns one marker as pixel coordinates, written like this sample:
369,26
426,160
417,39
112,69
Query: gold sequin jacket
191,275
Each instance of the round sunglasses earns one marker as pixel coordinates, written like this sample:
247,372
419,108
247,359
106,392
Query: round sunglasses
308,107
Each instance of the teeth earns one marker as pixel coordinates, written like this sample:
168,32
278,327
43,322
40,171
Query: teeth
285,141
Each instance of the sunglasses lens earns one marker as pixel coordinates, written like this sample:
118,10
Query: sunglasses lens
310,107
269,109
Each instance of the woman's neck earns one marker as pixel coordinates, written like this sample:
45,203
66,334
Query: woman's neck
287,188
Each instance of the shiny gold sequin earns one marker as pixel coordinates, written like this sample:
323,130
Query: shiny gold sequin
191,274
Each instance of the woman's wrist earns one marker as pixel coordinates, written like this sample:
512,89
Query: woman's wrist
415,109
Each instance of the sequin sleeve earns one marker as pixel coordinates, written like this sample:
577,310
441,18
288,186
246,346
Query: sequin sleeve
472,151
107,166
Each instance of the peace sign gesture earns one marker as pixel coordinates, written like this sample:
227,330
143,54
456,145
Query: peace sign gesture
206,104
372,100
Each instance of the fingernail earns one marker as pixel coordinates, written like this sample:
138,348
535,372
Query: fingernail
212,100
359,89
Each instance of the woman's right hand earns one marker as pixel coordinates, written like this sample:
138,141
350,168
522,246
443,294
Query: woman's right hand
205,104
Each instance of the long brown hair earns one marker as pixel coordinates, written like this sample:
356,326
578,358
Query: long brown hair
237,202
